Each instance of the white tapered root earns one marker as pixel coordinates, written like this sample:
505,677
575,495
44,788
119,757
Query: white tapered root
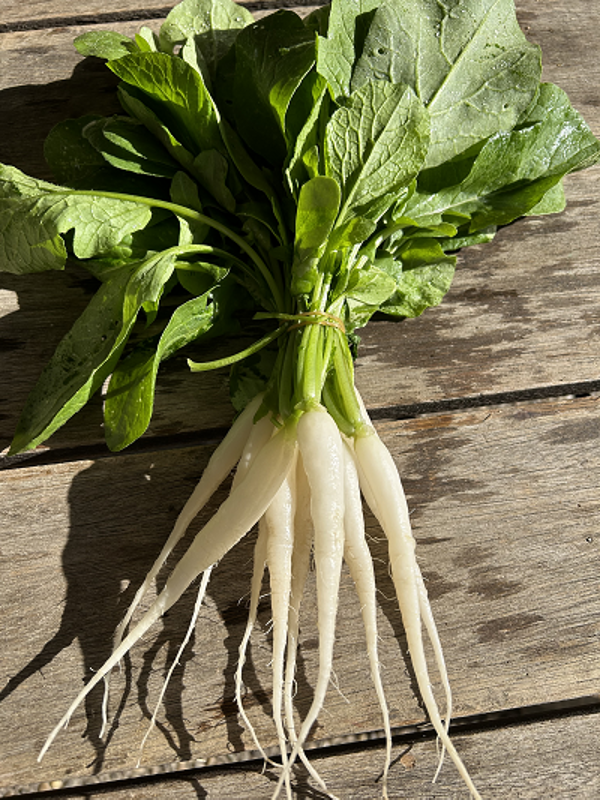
303,540
235,517
260,559
192,624
360,565
321,449
380,481
279,519
223,460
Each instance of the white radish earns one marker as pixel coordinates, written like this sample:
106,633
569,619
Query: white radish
424,604
259,434
380,481
279,519
234,518
360,565
192,624
220,464
260,560
303,540
321,448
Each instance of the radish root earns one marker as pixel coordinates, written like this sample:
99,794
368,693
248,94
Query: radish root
302,482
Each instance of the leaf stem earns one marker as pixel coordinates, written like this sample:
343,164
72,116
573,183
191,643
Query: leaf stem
189,213
205,366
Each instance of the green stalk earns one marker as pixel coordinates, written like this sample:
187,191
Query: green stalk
344,378
196,216
286,377
205,366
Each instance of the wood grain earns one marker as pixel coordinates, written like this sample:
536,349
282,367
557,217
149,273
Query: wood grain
526,762
41,14
506,515
504,499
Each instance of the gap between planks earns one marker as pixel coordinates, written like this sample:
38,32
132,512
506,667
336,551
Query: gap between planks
137,14
46,456
356,744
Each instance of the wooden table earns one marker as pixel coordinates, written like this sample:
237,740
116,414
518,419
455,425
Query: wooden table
489,404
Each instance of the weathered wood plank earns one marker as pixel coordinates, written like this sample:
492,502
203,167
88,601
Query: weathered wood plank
15,13
505,511
546,758
44,13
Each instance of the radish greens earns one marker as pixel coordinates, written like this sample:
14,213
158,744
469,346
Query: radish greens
295,176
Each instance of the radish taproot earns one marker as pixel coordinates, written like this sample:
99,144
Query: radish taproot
290,177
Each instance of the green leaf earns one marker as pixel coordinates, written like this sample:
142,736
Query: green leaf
192,55
375,146
211,169
126,144
184,192
87,354
130,396
303,161
176,94
468,62
336,54
212,25
272,57
135,103
514,170
159,234
565,140
367,290
356,231
104,44
318,206
146,40
553,202
457,242
28,244
198,277
70,155
423,276
33,213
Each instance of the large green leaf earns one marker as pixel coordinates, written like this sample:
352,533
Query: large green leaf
273,56
130,396
513,171
467,60
87,354
34,213
375,146
177,95
336,53
212,26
